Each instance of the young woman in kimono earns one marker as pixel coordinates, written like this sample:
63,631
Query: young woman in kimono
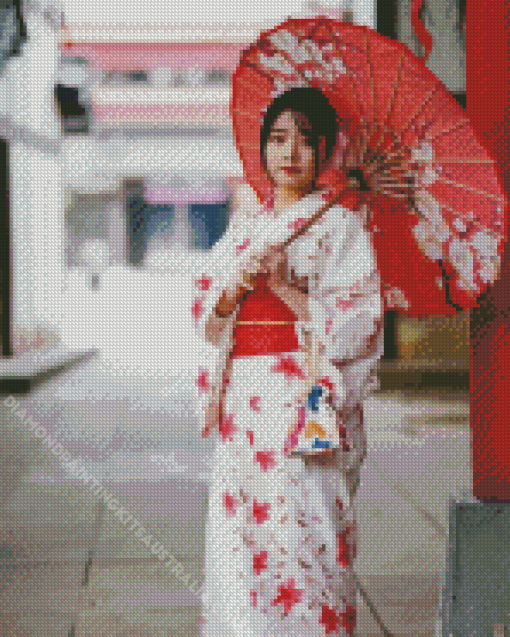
280,533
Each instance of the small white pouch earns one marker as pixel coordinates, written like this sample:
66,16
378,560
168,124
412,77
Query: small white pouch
316,429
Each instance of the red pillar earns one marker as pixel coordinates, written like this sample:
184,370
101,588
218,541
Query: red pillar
488,106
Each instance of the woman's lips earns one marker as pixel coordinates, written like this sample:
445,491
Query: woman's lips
291,171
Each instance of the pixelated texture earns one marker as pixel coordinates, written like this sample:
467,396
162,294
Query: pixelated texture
131,410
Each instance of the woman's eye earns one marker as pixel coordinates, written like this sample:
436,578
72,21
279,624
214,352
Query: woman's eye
278,138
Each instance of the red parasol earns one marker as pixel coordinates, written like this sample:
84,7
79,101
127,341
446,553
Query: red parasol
435,204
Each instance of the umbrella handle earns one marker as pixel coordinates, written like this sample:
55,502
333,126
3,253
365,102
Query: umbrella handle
336,199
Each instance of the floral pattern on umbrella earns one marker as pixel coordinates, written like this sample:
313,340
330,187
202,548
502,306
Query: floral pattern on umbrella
409,143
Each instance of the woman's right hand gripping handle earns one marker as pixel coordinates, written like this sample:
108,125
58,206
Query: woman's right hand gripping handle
243,282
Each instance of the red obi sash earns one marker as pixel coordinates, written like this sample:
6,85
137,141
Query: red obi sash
262,304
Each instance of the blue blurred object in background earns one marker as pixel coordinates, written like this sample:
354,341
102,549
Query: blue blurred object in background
209,222
159,219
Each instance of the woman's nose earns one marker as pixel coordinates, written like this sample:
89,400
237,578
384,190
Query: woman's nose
291,146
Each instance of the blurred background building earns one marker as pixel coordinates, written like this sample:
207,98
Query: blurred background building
138,131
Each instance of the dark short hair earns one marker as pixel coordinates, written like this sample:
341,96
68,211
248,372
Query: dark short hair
316,107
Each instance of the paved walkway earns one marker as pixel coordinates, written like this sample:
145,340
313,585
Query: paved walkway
129,414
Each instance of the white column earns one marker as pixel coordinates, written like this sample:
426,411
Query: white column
37,196
181,238
363,12
117,231
37,222
31,77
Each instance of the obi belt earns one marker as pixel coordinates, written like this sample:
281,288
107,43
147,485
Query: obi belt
264,323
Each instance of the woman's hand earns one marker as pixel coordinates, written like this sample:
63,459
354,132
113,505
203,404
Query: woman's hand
325,458
247,276
272,260
256,265
243,280
214,329
277,265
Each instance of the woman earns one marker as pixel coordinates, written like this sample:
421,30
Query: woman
280,534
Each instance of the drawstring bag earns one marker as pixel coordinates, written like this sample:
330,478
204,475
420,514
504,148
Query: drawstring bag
317,427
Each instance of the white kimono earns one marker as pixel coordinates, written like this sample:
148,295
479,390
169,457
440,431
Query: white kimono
280,535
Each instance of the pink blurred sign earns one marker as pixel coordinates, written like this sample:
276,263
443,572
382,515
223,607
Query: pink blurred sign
179,196
128,56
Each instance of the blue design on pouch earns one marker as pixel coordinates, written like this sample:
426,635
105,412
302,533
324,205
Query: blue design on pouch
313,397
320,444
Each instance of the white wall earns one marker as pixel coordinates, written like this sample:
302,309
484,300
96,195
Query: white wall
36,179
364,12
128,18
31,78
84,157
134,12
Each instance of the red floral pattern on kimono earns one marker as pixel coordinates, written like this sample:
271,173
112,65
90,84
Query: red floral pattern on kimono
280,532
279,545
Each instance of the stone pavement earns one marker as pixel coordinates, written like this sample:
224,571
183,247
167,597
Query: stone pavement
129,414
418,457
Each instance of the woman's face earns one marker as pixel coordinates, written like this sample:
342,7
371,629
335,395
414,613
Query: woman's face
289,146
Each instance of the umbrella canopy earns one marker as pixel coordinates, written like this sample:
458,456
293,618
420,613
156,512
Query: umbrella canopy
434,201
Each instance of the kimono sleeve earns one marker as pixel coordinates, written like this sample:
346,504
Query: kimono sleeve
216,273
345,304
